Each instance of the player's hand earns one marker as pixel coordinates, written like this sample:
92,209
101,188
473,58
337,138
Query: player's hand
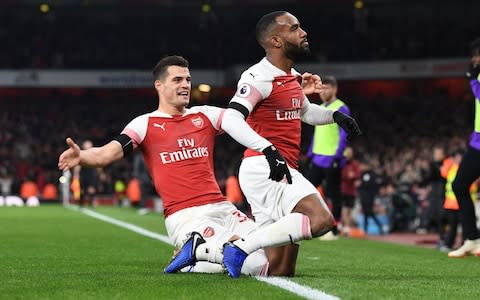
70,157
473,71
278,165
347,123
311,83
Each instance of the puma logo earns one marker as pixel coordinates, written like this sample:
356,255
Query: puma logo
158,125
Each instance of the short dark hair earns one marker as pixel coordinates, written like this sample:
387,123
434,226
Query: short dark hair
459,151
475,45
160,70
329,79
265,24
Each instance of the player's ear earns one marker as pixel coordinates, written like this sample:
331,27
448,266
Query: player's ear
157,84
276,41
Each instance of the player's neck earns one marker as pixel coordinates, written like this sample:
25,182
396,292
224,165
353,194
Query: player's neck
331,100
283,63
172,110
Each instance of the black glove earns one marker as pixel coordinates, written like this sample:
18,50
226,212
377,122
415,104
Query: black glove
278,165
347,123
472,72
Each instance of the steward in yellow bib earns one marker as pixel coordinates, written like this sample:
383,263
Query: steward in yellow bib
450,205
326,151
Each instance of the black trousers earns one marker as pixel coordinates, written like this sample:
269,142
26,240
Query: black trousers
468,172
86,196
331,187
367,199
451,218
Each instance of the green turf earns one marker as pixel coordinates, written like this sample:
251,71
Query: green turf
55,253
361,269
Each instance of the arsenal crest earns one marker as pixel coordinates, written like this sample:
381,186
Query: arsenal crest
208,232
198,122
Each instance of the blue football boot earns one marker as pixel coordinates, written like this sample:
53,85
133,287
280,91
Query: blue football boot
233,258
186,256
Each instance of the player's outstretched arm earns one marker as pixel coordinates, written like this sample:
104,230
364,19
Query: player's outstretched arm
347,123
315,114
96,157
234,124
71,157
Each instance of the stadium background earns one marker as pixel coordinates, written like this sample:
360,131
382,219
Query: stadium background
81,69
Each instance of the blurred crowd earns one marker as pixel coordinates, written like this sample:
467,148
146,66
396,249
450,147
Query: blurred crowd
401,134
405,142
216,36
399,141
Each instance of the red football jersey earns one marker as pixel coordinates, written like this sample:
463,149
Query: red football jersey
178,151
275,100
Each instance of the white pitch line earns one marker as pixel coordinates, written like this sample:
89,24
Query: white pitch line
296,288
300,290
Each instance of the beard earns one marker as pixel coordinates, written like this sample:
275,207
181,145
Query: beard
295,52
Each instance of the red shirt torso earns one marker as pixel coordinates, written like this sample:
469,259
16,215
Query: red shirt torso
178,152
277,99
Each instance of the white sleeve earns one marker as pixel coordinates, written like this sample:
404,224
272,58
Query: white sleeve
137,129
235,125
314,114
251,89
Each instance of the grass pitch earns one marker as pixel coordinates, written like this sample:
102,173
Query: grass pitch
51,252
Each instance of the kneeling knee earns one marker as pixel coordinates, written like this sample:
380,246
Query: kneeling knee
288,271
322,224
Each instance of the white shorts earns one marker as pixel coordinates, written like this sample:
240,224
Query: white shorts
216,222
271,200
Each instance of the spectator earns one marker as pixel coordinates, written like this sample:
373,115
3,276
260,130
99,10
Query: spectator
367,191
6,182
350,181
28,189
234,194
451,209
437,191
327,151
50,192
140,172
88,181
